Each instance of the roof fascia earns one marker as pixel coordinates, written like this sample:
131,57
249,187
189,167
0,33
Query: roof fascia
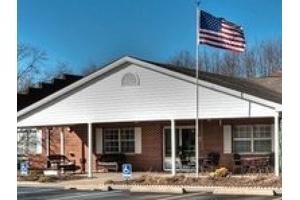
153,67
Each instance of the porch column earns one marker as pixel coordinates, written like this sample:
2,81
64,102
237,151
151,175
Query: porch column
173,147
276,143
62,142
48,141
90,150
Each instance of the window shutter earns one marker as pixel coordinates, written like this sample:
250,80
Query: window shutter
138,140
227,139
39,147
99,141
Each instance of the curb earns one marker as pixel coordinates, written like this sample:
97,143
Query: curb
244,191
180,189
158,189
175,189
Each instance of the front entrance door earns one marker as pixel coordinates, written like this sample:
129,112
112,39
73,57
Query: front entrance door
185,148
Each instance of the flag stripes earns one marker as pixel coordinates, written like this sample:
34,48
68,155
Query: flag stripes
220,33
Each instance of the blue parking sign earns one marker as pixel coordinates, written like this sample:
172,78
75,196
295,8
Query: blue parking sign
24,168
127,170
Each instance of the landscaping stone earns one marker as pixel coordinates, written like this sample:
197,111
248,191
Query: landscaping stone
157,189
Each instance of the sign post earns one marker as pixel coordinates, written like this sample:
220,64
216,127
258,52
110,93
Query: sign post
127,171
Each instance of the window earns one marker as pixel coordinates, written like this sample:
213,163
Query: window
119,140
130,79
252,138
28,141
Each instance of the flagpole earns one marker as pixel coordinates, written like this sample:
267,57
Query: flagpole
197,92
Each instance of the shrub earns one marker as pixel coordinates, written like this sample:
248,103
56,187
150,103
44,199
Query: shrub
109,181
221,172
45,179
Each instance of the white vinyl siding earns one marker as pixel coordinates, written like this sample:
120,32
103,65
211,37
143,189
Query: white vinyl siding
227,139
158,97
99,141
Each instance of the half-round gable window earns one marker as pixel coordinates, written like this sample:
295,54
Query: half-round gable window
130,79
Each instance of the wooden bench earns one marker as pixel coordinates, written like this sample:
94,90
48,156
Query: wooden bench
108,166
60,162
110,162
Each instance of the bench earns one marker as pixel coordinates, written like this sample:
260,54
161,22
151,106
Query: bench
110,162
58,162
108,166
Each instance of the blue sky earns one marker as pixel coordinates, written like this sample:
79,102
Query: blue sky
82,32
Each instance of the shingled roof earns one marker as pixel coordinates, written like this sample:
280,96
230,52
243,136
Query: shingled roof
273,82
239,84
34,94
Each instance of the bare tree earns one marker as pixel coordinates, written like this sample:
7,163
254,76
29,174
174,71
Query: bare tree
89,69
270,56
59,69
29,61
249,63
231,64
259,60
183,59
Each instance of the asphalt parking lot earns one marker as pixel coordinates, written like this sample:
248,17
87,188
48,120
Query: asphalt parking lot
35,193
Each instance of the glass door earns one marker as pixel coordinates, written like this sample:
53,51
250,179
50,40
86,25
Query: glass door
185,148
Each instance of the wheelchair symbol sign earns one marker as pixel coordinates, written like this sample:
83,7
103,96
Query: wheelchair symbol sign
24,168
126,170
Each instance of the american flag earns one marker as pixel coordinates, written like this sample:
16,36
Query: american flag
218,32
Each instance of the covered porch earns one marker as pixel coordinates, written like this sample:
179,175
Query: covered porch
163,146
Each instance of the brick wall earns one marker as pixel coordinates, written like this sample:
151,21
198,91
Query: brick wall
213,136
152,143
151,158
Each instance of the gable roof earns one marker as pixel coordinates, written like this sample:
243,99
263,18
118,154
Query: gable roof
34,94
237,84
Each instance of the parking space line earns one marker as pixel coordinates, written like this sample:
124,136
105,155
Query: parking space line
78,196
184,196
152,196
37,191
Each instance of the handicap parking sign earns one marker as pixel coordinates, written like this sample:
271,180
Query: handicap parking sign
24,168
126,170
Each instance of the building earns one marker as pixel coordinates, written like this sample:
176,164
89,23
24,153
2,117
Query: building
147,110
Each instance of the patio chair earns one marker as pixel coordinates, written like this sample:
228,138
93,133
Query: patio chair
211,162
237,164
58,161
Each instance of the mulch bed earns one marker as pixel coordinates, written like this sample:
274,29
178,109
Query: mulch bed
40,177
253,181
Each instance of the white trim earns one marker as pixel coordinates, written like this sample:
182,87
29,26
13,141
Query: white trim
276,148
47,141
62,142
39,146
138,140
90,147
173,147
99,140
227,139
153,67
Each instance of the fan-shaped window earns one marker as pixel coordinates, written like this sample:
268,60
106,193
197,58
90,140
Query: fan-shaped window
130,79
